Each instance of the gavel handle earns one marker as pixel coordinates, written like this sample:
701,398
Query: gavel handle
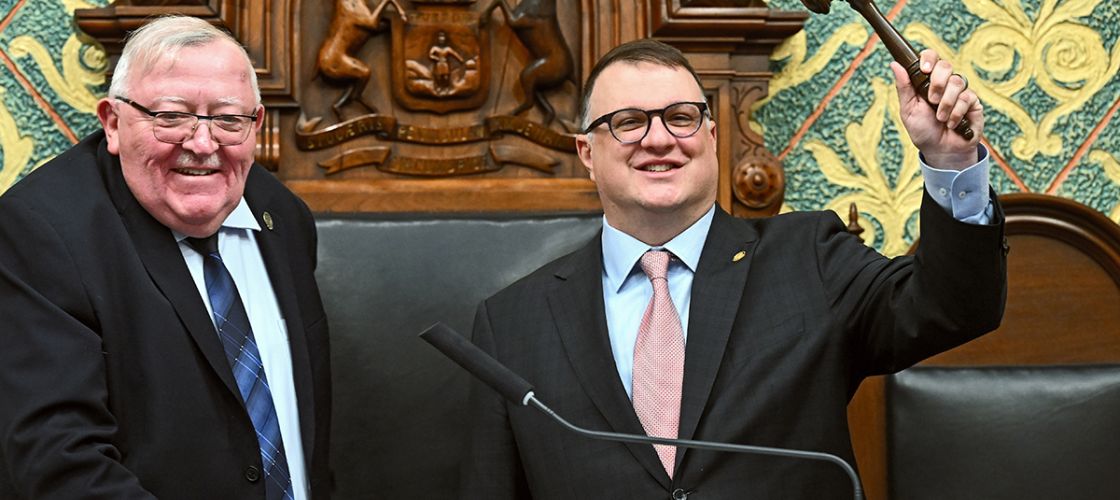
902,52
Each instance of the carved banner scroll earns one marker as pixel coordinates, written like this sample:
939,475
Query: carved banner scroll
386,127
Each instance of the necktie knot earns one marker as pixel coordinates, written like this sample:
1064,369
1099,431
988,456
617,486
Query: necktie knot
655,263
206,246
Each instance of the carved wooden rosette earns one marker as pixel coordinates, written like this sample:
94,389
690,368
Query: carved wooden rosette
469,105
757,178
731,52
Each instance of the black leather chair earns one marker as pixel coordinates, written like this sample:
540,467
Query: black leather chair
399,405
995,433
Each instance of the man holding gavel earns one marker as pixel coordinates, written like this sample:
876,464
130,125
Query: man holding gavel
679,320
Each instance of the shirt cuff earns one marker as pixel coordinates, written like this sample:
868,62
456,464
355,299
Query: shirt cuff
964,194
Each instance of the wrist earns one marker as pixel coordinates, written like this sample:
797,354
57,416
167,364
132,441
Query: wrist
953,160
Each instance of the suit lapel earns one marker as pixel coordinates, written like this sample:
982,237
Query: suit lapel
160,254
270,240
717,289
577,306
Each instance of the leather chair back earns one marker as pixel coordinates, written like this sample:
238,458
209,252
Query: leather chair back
399,406
1014,433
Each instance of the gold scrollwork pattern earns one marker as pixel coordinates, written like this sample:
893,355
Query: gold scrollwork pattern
72,5
890,205
1062,56
73,83
798,69
1111,167
17,148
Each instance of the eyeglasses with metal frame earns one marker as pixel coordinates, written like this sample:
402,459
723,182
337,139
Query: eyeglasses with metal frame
631,125
176,127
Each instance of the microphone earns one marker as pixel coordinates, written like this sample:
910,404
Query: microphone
517,390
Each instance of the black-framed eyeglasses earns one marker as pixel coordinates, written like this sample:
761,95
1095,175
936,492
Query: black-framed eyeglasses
175,127
630,125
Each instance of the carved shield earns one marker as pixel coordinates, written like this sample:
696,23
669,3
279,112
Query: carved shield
440,60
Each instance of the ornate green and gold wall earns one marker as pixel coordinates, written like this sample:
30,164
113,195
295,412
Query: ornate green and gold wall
1045,69
51,82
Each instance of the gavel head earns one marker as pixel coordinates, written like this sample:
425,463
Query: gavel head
818,6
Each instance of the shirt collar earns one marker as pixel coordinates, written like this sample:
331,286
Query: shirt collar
622,251
240,218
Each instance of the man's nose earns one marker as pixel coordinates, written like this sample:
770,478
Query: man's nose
658,134
201,141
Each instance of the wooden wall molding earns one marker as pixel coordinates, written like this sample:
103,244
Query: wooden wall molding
268,37
744,26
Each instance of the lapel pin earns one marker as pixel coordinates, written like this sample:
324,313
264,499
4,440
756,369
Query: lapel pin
267,220
739,256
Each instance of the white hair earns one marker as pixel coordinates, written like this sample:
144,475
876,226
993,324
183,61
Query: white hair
162,38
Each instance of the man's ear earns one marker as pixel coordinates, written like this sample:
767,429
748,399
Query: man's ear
260,118
583,149
111,123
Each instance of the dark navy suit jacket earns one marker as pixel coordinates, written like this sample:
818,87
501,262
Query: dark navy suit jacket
778,342
113,383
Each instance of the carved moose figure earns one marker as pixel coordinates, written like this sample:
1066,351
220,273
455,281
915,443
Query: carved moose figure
535,24
351,27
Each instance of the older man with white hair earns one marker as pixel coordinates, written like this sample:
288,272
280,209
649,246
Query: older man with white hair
163,334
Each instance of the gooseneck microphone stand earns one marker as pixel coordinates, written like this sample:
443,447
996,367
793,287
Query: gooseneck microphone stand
518,391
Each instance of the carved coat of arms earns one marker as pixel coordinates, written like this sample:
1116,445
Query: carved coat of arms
440,63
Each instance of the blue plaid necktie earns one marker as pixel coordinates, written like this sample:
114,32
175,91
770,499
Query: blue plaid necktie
233,327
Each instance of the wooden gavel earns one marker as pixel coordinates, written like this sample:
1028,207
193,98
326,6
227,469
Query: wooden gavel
899,48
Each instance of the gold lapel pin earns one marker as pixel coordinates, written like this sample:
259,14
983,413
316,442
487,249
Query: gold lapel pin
267,220
739,256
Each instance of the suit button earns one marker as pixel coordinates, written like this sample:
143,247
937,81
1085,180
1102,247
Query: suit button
252,473
680,494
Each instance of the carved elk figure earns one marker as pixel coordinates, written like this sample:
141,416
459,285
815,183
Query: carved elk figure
351,27
535,24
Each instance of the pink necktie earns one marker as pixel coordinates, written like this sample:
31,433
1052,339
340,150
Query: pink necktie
659,360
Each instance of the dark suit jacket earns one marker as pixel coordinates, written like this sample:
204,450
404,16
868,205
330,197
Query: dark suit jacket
113,383
777,344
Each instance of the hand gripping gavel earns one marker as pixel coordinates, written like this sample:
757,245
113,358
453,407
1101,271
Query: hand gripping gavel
898,47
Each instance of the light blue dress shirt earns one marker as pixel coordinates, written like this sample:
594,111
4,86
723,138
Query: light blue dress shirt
627,290
962,193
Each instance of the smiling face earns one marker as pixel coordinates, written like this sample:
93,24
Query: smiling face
190,187
655,188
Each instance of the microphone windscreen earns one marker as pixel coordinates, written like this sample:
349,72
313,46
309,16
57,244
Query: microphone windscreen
475,360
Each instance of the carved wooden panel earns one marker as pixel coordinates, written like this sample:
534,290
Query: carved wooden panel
469,105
